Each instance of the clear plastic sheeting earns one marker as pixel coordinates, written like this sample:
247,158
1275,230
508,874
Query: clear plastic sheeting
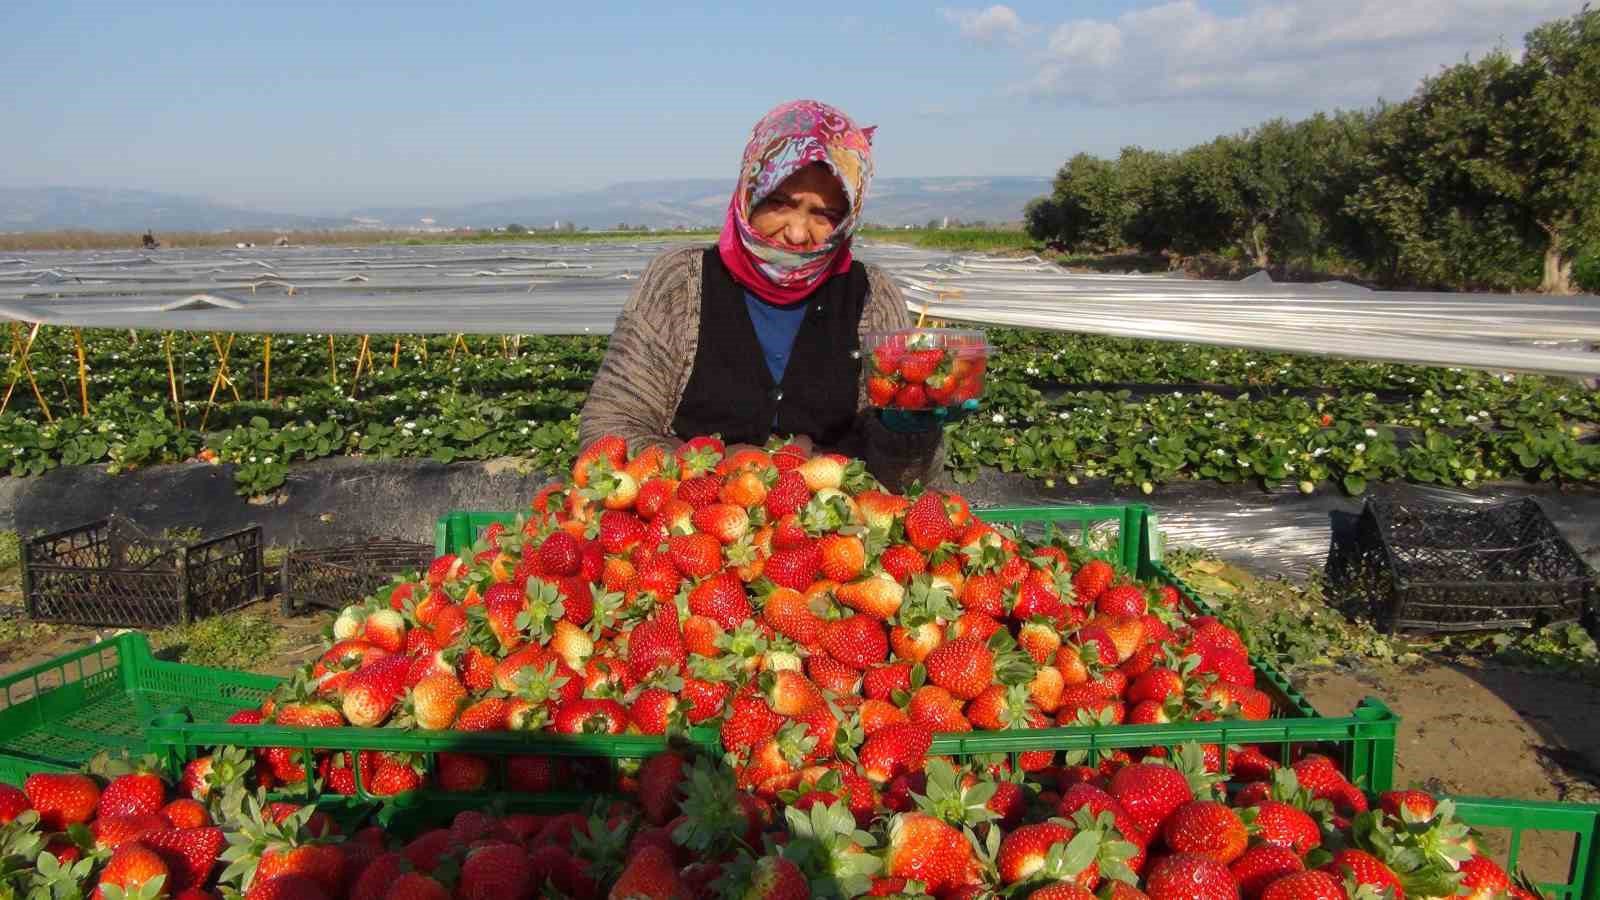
580,288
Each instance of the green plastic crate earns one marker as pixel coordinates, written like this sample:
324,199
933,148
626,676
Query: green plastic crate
55,716
1520,817
1364,740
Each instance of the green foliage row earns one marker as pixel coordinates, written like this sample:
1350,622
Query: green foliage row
1488,177
1054,410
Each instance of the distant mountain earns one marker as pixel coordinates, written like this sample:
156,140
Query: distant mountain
657,204
113,209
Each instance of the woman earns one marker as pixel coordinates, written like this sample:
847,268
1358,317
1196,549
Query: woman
757,335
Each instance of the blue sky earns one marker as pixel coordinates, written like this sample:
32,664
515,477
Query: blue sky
319,107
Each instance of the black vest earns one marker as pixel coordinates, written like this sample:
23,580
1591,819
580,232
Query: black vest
731,391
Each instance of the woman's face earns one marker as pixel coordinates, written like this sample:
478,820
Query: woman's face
803,210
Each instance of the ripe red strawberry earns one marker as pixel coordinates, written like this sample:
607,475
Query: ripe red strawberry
1091,580
446,569
1264,864
138,792
1281,825
843,556
415,886
610,448
560,555
935,708
789,693
62,799
504,604
880,390
189,853
1420,803
695,555
878,596
650,873
750,721
881,682
787,496
488,714
498,871
1207,828
789,614
13,803
722,599
699,491
655,643
374,690
660,779
653,495
589,716
928,523
1483,878
652,711
1189,876
706,688
183,812
1319,775
831,675
857,641
984,593
876,714
723,521
928,850
1122,600
1315,885
112,831
323,864
916,366
1150,792
1023,851
385,628
964,667
287,887
744,489
131,865
436,699
795,567
1363,868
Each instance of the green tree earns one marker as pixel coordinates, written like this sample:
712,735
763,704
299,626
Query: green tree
1553,164
514,228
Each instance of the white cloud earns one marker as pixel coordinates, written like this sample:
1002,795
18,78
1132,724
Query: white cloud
1310,52
991,25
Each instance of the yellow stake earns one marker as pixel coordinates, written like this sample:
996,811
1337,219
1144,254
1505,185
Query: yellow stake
83,371
333,363
172,380
266,372
395,363
221,379
23,368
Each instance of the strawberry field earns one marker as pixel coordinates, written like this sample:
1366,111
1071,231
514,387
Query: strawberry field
747,674
1062,408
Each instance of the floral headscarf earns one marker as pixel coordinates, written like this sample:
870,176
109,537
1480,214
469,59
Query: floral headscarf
786,140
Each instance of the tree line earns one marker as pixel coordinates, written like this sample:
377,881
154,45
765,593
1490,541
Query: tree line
1488,177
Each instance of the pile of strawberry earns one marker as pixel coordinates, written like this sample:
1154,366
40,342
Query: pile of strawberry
1153,827
785,597
919,369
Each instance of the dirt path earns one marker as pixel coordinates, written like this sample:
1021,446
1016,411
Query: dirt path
1481,729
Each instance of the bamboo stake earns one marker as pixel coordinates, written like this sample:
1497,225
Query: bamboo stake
333,363
172,380
361,357
222,376
83,371
395,363
24,368
266,372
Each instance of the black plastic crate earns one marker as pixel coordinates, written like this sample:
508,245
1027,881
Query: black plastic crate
334,577
1443,567
110,572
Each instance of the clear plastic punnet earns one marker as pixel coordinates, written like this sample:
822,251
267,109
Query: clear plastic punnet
925,369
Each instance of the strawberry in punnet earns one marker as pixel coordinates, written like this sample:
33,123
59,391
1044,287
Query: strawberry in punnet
62,799
1121,600
935,708
183,812
651,875
1023,851
1279,824
844,556
789,613
435,701
827,471
1420,803
1263,865
1484,879
610,448
1150,792
111,831
498,871
795,567
586,716
189,853
654,710
560,554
